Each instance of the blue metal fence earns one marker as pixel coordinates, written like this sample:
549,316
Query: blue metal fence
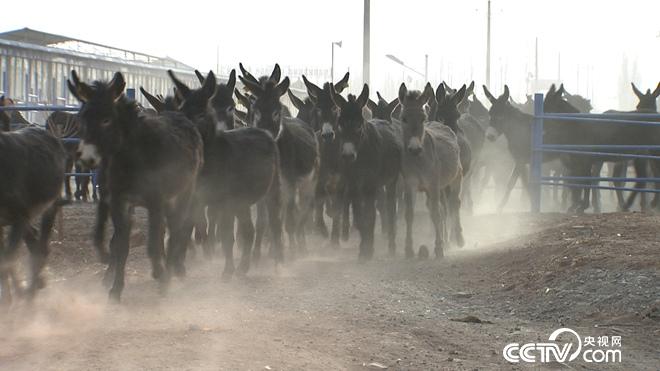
538,147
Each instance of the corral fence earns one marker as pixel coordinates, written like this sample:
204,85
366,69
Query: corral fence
537,180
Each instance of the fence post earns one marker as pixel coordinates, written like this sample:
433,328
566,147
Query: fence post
537,155
130,93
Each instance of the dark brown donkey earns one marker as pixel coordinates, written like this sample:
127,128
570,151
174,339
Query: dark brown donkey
240,170
32,168
150,161
323,119
298,149
371,159
431,163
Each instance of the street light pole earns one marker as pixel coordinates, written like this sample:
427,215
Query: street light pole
332,63
366,42
426,68
488,49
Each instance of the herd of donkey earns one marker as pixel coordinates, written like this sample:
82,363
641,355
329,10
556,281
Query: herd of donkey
199,166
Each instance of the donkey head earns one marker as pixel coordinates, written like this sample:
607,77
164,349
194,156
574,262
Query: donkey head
447,105
647,101
325,112
195,103
351,123
103,118
413,116
554,101
382,110
265,110
222,103
500,112
305,107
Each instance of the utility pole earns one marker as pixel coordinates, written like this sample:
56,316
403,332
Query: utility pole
559,67
426,68
488,48
365,42
536,65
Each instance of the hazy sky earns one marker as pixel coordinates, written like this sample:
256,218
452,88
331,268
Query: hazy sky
592,37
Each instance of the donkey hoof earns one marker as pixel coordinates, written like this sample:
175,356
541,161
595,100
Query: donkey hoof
115,296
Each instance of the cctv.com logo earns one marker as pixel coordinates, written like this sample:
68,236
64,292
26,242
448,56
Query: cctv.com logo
604,350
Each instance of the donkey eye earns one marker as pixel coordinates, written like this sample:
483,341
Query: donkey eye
229,110
105,123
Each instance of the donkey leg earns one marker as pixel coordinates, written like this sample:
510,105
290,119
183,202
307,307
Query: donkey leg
306,201
39,249
640,171
102,212
509,187
246,231
454,213
368,214
226,227
119,245
155,243
346,217
274,206
620,171
409,200
390,215
260,229
433,205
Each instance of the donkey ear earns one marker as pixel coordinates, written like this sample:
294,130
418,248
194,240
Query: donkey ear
372,105
490,96
156,103
200,77
252,86
74,91
364,96
182,89
459,95
276,74
117,85
242,99
402,92
440,93
552,91
638,93
312,89
427,94
247,75
242,116
209,84
297,102
561,90
283,86
506,94
656,92
392,105
380,97
343,83
470,89
231,83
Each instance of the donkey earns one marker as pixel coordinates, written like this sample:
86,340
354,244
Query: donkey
431,163
241,168
67,125
32,168
329,186
298,150
383,109
371,159
16,117
445,109
150,161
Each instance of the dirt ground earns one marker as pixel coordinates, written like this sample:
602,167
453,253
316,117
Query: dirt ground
527,274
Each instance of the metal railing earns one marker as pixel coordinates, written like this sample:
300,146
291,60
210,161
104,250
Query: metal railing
538,147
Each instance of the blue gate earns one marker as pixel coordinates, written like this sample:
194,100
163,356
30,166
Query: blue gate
538,147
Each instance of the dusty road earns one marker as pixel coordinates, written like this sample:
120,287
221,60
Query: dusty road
599,275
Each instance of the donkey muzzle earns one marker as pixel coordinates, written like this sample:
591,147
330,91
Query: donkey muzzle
348,152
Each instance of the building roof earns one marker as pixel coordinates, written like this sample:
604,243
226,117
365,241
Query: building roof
44,39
